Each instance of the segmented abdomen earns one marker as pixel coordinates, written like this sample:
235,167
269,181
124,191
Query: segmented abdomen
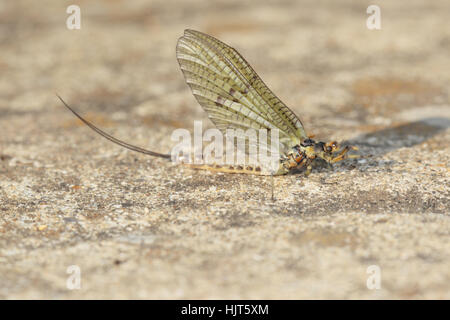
256,170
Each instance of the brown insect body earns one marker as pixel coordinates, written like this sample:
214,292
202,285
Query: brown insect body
304,154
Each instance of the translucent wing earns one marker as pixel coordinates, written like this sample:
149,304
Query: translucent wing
231,92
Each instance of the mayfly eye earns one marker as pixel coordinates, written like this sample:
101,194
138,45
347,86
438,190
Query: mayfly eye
329,148
307,143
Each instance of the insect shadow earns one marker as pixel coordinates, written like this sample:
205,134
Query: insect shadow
376,144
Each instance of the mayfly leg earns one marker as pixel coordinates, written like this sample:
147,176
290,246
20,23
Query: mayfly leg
272,186
344,155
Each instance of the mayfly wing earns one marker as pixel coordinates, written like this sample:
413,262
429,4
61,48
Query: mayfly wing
231,92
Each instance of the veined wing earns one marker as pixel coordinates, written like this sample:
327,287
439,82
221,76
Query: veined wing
231,92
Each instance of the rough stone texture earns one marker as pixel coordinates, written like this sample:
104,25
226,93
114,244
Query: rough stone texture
140,227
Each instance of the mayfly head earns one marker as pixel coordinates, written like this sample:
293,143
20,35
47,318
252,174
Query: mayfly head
326,150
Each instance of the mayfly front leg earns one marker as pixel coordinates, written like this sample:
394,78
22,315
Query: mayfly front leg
344,155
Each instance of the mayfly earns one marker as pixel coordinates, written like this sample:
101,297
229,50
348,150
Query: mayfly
235,97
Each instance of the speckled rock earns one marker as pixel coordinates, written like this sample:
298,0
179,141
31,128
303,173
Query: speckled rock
140,227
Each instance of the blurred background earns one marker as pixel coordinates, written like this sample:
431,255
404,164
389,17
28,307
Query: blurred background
318,56
69,197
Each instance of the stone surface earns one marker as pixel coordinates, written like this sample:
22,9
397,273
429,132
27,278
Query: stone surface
140,227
